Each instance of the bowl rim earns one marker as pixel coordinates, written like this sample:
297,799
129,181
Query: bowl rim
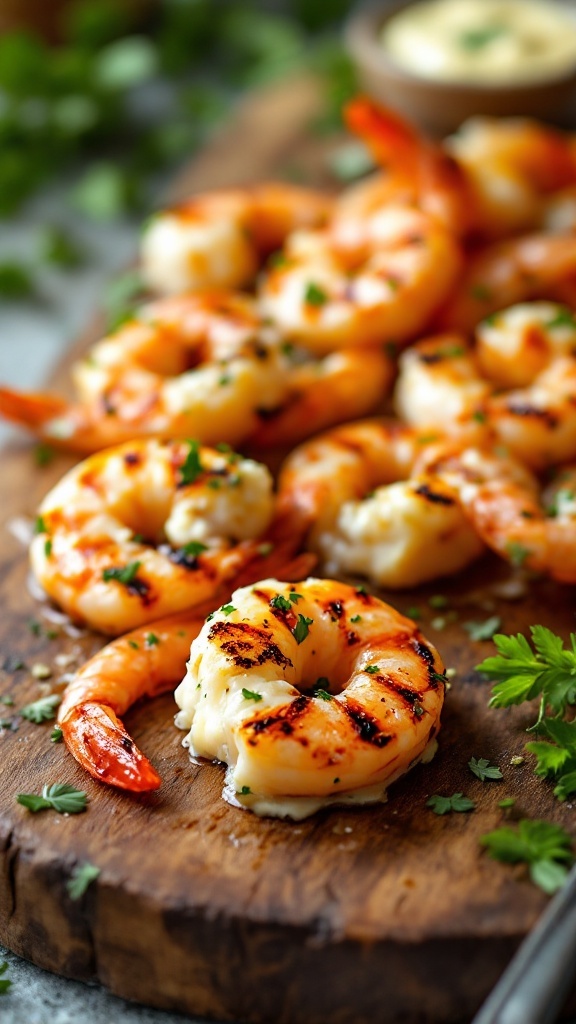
361,30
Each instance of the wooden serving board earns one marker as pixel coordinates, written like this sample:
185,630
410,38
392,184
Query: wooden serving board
389,913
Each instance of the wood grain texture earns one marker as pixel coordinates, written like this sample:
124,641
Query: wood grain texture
390,913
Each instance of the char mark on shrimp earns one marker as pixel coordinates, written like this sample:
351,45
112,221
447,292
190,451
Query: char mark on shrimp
283,721
526,410
366,726
247,645
430,495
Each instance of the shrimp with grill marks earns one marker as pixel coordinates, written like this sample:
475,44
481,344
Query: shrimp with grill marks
365,510
220,239
314,693
152,528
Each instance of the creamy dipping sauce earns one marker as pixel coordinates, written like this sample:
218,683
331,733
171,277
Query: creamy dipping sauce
483,41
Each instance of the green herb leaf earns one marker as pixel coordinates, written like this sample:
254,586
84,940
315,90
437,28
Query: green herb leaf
281,603
483,630
5,983
58,248
152,640
314,295
535,843
301,630
122,574
194,548
483,770
15,281
42,710
372,669
56,735
82,876
228,609
445,804
475,39
192,467
250,694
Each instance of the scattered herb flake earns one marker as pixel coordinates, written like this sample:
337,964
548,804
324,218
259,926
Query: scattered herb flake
372,669
483,630
228,609
122,574
192,467
445,804
250,694
545,847
42,710
82,876
483,770
56,734
314,295
301,629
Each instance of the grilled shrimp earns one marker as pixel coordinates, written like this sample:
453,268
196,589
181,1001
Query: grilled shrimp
386,290
506,273
503,502
204,366
219,239
354,493
144,663
152,528
446,385
186,366
314,693
493,178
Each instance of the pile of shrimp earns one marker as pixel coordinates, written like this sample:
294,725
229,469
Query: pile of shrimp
435,297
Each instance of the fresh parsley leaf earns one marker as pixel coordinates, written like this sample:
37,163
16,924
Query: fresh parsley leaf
318,691
122,574
483,770
281,603
548,672
42,710
59,797
314,295
245,791
56,734
483,630
517,553
5,983
194,548
228,609
82,876
372,669
152,640
301,630
540,844
445,804
192,467
250,694
564,317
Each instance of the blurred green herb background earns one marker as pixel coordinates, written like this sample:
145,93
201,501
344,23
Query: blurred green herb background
86,102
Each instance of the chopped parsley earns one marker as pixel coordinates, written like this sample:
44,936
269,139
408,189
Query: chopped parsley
482,769
245,791
82,876
42,710
250,694
438,601
563,318
43,455
5,983
546,848
193,548
356,618
301,630
314,295
228,609
56,734
152,640
122,574
372,669
445,804
40,525
517,553
58,797
483,630
284,604
192,467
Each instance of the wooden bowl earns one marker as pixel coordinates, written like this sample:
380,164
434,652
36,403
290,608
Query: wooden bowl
440,107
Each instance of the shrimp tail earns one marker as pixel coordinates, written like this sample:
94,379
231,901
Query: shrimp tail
388,137
97,739
30,410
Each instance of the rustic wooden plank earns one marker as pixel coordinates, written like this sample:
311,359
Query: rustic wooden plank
389,913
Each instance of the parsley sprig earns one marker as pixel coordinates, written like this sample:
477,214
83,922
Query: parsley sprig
548,671
545,847
60,797
482,769
5,983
